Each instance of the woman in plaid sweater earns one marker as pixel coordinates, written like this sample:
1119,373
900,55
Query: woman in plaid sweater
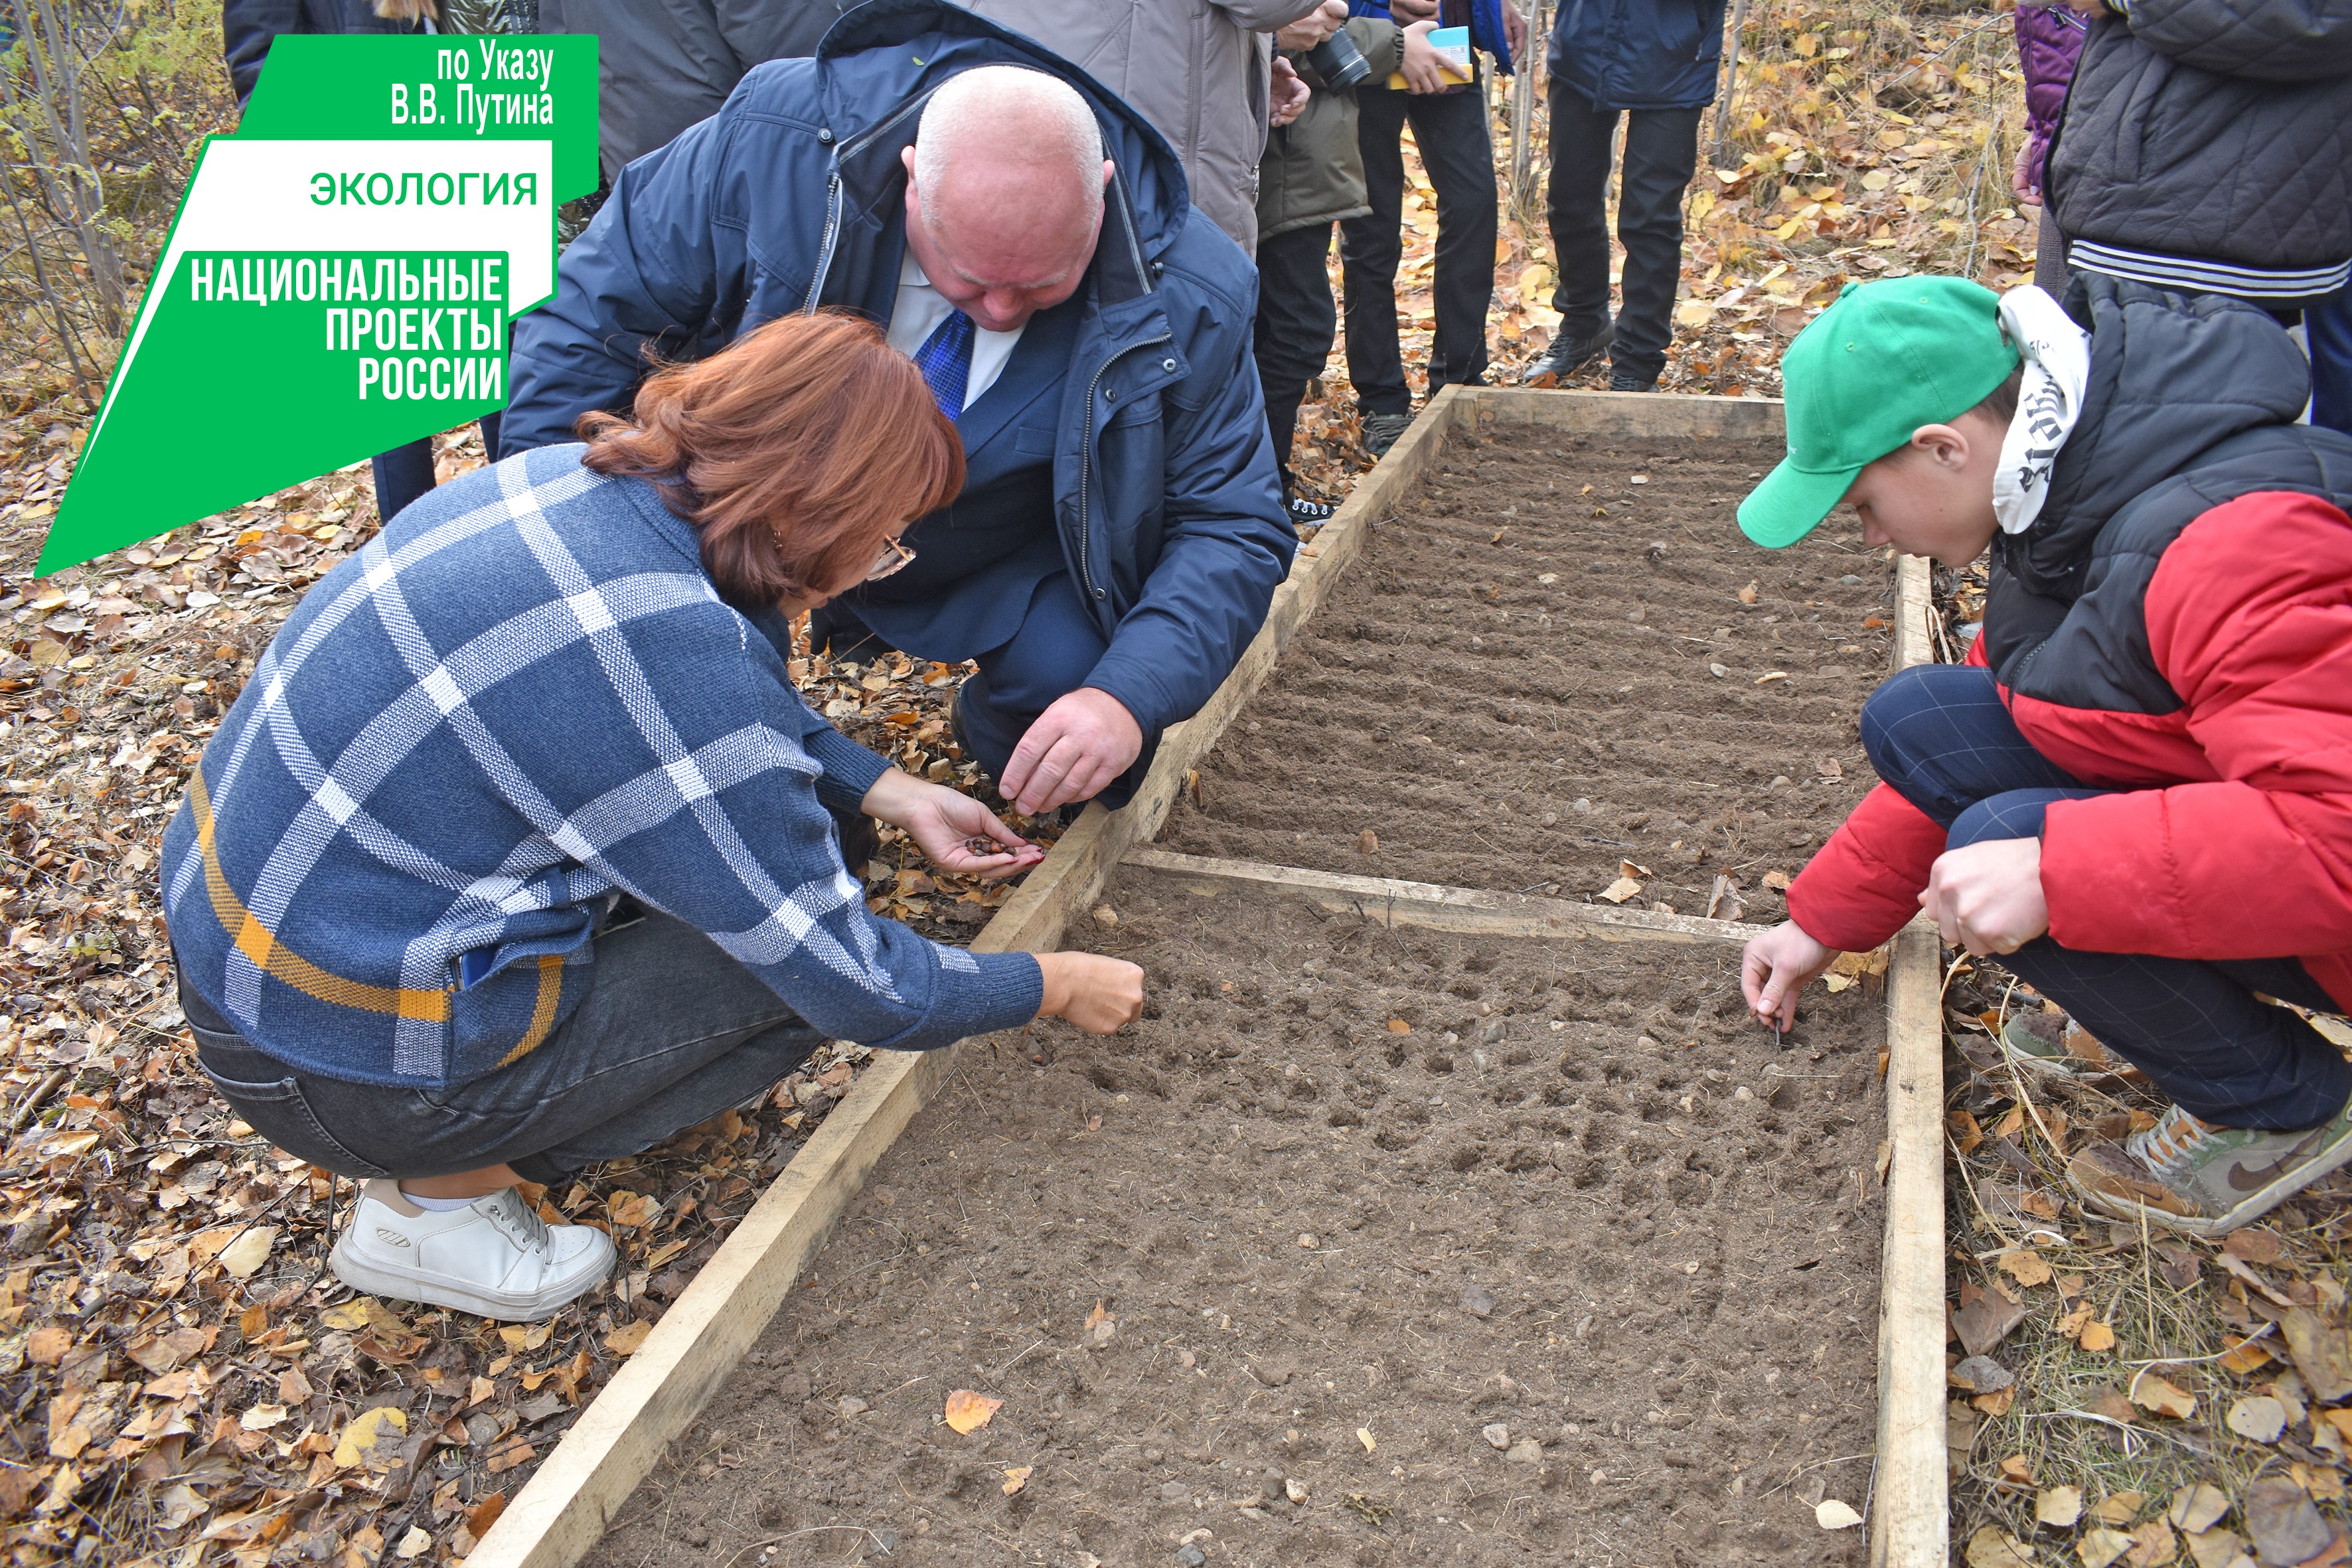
518,852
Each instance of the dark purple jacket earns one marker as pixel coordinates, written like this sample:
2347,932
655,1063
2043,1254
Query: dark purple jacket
2048,42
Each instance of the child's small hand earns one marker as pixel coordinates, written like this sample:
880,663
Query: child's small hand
1777,965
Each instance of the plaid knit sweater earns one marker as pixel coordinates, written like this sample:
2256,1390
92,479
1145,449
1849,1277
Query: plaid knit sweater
523,697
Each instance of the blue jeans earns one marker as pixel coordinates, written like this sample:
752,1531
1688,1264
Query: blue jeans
1942,737
671,1033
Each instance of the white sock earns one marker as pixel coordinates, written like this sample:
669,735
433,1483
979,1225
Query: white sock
436,1205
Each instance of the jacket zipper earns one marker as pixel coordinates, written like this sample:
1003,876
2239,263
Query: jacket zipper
1085,460
824,246
832,202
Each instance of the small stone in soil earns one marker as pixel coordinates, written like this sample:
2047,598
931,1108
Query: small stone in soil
1295,1489
1478,1301
1497,1435
1174,1491
1526,1451
1190,1557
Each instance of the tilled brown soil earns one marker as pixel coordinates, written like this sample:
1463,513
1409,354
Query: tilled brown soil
1365,1247
1516,687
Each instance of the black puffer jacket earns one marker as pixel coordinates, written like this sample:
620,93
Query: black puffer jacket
2191,404
2205,146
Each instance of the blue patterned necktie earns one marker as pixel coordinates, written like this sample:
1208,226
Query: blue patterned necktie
945,359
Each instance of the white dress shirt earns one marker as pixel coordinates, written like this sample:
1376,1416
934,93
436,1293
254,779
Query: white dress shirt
918,314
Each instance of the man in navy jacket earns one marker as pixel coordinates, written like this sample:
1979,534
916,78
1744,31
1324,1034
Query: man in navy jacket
1121,528
1655,61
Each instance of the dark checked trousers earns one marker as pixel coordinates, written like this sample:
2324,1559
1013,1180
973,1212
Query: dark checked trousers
1941,736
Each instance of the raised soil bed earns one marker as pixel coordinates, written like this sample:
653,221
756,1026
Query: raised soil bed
1580,1200
1209,1148
1515,687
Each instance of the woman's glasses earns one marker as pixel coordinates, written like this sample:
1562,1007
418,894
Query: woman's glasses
895,557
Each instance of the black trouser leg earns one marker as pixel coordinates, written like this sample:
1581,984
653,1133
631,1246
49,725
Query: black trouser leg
1577,206
1661,155
1296,317
1370,250
1450,129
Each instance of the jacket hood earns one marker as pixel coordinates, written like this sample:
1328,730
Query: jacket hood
2173,376
882,61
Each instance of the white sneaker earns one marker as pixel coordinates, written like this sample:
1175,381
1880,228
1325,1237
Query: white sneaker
494,1257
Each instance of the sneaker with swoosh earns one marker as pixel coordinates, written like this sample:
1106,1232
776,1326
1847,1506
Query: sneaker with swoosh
2188,1176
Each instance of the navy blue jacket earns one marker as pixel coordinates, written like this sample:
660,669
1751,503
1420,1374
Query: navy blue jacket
792,197
1639,54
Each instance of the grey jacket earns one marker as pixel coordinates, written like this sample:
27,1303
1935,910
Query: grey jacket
1197,69
2204,145
664,65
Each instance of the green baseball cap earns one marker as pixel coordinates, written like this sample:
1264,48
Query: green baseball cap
1883,359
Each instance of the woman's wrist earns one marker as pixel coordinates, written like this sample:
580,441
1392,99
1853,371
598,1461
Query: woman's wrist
893,796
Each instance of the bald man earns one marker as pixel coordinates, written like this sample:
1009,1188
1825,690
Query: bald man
1028,241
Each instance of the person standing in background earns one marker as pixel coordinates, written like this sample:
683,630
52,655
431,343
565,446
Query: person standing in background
2203,147
2048,42
1654,61
1449,129
1313,177
1202,71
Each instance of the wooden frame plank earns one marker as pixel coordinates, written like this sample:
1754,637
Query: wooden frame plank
572,1499
1911,1513
1470,912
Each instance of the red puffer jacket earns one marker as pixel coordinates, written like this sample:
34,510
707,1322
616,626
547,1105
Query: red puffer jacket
2230,743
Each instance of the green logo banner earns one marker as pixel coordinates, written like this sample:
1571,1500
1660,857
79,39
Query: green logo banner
341,274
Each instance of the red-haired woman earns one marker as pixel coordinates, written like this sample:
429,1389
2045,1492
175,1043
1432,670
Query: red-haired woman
518,851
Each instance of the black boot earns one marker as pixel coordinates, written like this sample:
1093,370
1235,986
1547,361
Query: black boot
1567,355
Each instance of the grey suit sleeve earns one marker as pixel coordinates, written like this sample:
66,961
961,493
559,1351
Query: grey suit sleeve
2263,40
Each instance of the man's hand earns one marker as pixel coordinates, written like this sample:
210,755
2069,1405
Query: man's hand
945,825
1421,70
1315,27
1288,97
1074,751
1777,965
1404,13
2021,179
1515,33
1988,896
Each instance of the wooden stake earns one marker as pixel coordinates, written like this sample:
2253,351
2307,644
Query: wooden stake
1910,1515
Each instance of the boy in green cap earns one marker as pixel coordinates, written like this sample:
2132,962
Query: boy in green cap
2138,789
